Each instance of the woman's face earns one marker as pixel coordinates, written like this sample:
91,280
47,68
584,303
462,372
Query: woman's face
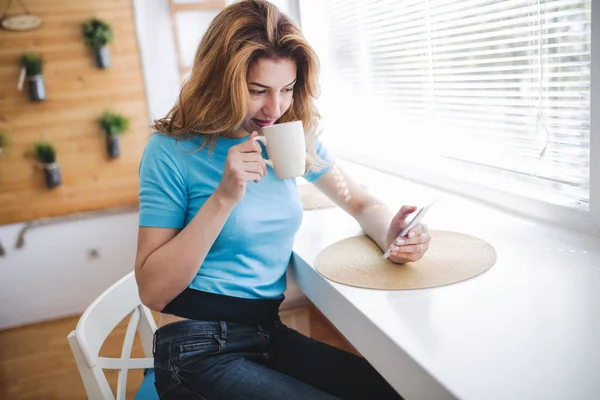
270,90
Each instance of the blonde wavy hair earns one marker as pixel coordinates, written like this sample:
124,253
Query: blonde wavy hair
212,102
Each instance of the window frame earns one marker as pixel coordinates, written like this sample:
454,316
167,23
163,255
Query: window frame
174,8
595,117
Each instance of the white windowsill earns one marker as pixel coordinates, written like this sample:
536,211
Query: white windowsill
561,217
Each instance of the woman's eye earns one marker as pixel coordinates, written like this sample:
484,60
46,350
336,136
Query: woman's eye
257,92
288,90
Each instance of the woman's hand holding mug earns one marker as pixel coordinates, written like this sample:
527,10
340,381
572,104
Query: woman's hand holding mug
244,163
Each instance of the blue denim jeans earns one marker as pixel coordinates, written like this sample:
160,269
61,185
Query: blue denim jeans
222,360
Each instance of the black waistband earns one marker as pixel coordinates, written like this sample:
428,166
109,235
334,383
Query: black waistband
204,306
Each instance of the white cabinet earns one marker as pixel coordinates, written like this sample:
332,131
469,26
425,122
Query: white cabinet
57,274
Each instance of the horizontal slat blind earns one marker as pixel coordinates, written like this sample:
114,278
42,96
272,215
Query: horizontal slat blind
497,87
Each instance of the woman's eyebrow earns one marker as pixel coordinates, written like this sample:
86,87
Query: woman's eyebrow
267,87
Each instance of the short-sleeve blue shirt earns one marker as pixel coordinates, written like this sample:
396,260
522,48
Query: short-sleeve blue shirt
250,256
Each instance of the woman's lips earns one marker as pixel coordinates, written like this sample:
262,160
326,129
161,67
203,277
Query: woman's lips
263,123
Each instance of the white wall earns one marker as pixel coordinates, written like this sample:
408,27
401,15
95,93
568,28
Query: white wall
53,275
158,55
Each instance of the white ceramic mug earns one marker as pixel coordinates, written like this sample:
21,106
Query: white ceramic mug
286,148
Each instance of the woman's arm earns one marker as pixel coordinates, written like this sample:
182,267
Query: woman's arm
376,219
168,259
372,214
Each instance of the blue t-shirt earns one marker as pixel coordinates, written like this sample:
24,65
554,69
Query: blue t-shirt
250,256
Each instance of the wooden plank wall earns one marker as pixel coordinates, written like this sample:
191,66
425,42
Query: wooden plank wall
77,94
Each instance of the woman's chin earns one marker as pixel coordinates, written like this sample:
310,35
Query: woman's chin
250,126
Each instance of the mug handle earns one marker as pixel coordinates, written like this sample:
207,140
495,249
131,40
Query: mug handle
264,141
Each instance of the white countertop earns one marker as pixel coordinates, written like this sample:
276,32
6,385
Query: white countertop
528,328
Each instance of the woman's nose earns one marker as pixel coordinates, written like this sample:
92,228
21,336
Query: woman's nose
272,107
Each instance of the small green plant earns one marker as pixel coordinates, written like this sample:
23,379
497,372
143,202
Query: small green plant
45,152
112,123
33,63
96,33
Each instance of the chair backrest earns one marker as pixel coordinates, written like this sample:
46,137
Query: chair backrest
94,326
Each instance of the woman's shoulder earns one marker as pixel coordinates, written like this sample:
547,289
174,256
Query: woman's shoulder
159,143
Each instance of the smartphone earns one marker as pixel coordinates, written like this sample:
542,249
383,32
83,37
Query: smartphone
416,219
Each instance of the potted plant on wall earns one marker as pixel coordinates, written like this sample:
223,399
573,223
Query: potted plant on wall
32,64
113,125
46,155
97,34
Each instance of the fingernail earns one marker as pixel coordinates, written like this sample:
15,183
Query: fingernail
394,248
400,241
412,234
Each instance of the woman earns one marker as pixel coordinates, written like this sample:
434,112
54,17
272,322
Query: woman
217,227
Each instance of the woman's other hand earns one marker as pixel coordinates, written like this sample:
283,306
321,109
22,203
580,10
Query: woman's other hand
414,245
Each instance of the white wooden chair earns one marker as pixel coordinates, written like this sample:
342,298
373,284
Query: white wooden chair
94,326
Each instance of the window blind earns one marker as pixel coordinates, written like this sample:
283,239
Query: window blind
497,92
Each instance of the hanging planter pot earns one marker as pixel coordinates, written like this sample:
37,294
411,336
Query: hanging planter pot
31,70
37,90
46,155
113,125
52,172
96,35
101,57
3,140
112,146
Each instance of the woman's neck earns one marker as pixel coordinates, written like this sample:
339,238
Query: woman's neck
238,134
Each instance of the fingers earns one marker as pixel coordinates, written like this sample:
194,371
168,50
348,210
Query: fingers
411,248
405,257
252,176
246,161
251,157
421,239
255,146
410,253
404,212
417,244
255,167
247,171
418,229
418,234
254,161
249,146
414,235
